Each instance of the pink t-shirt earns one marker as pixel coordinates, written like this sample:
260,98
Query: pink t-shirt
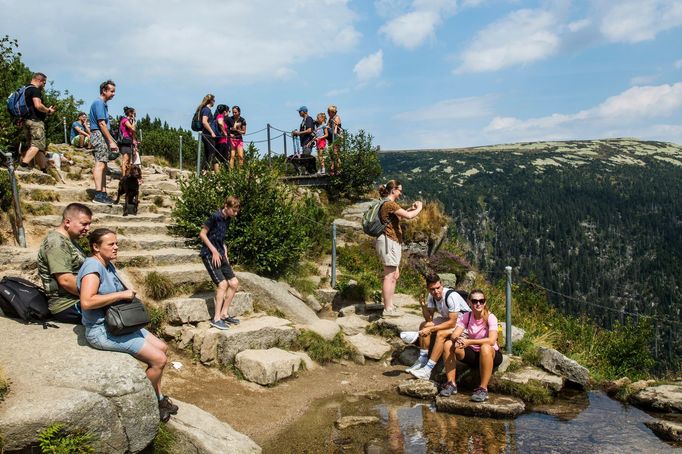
478,329
221,137
125,132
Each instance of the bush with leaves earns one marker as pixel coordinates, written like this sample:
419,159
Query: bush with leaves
161,140
360,167
5,191
56,440
274,227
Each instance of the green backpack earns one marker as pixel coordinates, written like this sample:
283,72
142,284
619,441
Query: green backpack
371,222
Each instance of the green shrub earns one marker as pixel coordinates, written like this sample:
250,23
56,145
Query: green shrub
274,228
532,392
624,351
324,351
6,198
158,286
163,441
56,440
359,167
157,317
385,331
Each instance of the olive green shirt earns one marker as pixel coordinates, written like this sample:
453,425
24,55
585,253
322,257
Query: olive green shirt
58,254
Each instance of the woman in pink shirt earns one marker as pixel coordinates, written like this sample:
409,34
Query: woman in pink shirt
477,349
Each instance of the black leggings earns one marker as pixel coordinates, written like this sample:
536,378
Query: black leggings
69,315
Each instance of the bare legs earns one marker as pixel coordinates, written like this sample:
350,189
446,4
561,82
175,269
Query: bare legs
485,365
223,298
153,353
99,176
391,275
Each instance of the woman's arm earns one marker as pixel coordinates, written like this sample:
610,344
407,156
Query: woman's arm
414,210
207,126
91,299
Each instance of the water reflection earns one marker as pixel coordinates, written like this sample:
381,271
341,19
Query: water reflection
597,424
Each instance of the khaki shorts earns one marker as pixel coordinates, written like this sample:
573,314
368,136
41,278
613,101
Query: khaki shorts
389,251
35,134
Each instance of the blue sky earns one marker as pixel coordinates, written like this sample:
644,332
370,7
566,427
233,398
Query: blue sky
414,73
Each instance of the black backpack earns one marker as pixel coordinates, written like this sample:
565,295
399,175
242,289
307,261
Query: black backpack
22,299
196,122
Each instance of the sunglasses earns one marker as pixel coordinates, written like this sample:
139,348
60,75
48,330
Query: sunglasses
475,301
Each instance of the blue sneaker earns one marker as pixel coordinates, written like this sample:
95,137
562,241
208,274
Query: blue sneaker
479,395
219,324
448,389
231,320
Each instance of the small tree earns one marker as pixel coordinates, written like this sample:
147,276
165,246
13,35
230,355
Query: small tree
360,167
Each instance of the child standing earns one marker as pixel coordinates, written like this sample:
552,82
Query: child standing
321,135
215,260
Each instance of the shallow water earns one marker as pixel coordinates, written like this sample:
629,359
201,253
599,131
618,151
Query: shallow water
585,424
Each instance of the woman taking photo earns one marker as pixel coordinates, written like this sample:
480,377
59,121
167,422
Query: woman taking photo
99,287
478,349
388,244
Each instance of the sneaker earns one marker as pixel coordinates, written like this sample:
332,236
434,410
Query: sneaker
99,198
423,374
448,389
108,200
219,324
231,320
167,404
22,168
417,365
392,312
479,395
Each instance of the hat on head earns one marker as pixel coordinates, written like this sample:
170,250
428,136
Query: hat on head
303,109
409,336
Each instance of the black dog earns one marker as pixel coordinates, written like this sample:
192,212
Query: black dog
130,186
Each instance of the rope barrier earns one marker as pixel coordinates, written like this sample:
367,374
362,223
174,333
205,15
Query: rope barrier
255,132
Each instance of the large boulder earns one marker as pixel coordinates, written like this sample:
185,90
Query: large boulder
667,398
529,373
517,333
198,432
556,363
200,307
267,367
495,407
371,347
57,378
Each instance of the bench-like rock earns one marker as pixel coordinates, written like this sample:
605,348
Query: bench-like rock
666,398
556,363
267,367
421,389
200,307
497,406
196,431
371,347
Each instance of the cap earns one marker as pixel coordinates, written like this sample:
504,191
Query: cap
409,336
303,109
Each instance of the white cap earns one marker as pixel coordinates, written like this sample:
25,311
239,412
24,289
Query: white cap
409,336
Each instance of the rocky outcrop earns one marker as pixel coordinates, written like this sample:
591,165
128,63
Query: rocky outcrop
198,432
517,333
267,367
556,363
495,407
57,378
421,389
666,398
200,307
666,430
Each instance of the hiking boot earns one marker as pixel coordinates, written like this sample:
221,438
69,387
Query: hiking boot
479,395
164,414
423,374
448,389
219,324
392,312
167,404
231,320
417,365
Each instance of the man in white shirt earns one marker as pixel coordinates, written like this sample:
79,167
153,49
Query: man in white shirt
440,312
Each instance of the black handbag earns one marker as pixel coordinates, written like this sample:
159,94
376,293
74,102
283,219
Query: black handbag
126,317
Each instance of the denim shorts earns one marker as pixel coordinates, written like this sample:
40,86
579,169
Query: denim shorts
99,338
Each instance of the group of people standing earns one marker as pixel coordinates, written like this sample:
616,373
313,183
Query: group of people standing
323,133
222,134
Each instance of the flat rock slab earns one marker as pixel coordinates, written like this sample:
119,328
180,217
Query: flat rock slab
57,378
200,307
275,295
558,364
267,367
421,389
197,431
349,421
405,322
528,373
666,398
328,329
345,225
253,333
352,324
503,407
666,430
371,347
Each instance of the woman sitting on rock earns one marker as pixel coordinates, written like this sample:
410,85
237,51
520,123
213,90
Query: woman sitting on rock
100,286
478,349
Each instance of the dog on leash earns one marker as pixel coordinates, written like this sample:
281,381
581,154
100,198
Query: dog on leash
130,186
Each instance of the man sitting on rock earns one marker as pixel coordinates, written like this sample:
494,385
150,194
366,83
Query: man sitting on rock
449,304
59,259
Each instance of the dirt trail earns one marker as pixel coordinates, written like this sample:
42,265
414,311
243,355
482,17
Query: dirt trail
263,412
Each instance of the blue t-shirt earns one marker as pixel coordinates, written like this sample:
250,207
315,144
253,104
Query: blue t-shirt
98,111
206,112
108,283
74,133
217,227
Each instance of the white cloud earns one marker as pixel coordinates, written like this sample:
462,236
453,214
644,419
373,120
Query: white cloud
450,109
678,64
633,21
369,67
221,41
521,37
578,25
643,80
410,30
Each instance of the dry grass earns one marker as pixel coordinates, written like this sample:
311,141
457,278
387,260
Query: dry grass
4,384
44,195
428,224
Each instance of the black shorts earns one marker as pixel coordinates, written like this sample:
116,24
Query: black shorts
223,153
473,358
69,315
223,273
125,149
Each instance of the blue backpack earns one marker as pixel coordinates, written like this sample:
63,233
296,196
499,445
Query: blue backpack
16,103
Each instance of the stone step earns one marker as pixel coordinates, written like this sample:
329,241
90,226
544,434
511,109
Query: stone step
99,219
156,257
70,193
267,367
190,273
18,258
199,307
144,207
148,242
133,225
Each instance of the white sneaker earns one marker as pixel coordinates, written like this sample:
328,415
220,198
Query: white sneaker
417,365
393,312
423,374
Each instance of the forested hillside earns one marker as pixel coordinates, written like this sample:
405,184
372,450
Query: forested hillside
598,222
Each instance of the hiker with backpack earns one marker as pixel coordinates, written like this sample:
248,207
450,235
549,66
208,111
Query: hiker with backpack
103,143
27,105
390,237
201,122
100,287
59,260
440,311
